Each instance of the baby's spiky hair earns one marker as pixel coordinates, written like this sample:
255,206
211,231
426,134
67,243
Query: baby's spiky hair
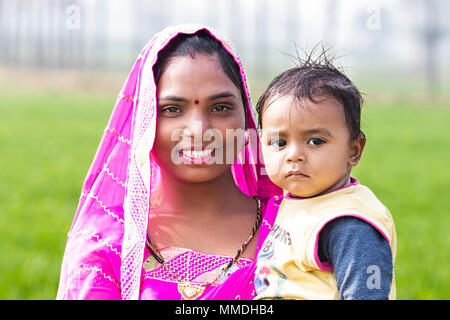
313,77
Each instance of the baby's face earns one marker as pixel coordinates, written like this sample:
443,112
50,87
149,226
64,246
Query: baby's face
307,148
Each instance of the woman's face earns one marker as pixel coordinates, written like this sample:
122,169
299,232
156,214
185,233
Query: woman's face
198,106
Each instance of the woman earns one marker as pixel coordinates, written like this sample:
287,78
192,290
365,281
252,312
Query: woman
165,214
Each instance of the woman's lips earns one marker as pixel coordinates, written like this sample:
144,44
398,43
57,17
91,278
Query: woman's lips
197,155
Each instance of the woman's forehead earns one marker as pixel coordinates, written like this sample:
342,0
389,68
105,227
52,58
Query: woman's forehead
201,75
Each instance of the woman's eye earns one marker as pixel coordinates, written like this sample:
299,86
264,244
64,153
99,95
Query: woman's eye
220,108
278,143
171,109
315,141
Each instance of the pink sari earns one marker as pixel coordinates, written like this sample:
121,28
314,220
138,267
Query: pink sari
105,247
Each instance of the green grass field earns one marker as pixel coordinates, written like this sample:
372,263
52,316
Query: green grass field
47,142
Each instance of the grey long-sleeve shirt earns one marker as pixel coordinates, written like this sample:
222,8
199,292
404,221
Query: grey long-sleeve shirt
361,258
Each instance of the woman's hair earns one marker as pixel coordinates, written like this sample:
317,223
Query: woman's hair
312,78
201,42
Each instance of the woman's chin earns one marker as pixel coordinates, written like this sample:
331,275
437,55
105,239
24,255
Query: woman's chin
200,173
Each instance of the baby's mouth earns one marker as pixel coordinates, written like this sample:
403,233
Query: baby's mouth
296,174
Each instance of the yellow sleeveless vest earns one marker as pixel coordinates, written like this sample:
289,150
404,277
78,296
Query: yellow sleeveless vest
288,261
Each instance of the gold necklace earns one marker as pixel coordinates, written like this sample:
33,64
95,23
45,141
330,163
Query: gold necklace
190,291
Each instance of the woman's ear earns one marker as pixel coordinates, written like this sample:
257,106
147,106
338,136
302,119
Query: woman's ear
356,150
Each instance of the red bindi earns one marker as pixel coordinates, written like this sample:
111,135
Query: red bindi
196,101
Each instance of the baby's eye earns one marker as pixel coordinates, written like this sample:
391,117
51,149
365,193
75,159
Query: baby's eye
280,143
315,141
220,108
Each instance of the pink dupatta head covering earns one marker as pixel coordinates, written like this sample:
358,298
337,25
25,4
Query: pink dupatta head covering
105,245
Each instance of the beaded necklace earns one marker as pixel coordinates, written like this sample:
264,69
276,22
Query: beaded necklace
190,291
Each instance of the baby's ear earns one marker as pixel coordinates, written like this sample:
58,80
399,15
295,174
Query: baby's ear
356,150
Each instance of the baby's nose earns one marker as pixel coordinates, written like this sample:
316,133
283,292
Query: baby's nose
295,154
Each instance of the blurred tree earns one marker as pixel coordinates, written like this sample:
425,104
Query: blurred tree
98,59
36,31
292,23
261,38
432,34
4,36
234,11
15,32
146,18
61,31
331,23
78,34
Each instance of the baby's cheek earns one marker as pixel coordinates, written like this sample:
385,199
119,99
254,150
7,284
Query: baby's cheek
273,169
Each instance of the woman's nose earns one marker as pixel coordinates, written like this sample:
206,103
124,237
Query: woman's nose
196,124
